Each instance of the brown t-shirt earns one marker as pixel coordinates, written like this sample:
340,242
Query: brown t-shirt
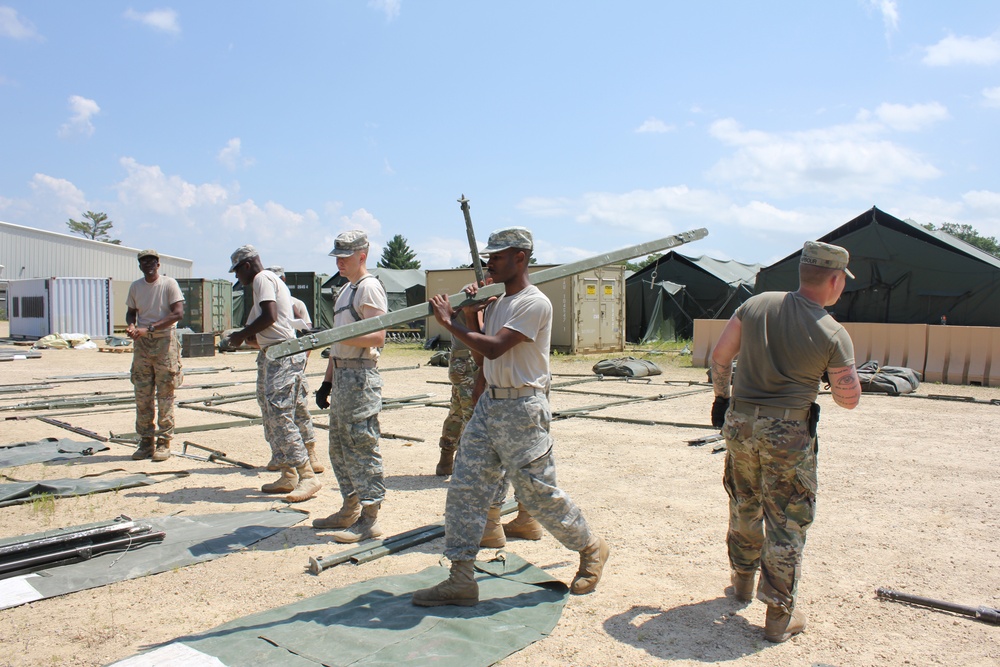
786,343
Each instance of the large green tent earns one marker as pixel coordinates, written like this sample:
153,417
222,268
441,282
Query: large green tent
664,298
904,274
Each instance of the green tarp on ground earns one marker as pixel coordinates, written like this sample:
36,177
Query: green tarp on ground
16,492
374,623
188,540
48,449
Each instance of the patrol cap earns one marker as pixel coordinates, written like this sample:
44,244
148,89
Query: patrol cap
149,252
349,243
509,237
277,270
826,256
242,254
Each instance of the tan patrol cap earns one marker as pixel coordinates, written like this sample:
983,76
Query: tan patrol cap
509,237
826,256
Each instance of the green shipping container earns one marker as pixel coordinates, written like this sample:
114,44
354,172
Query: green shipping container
208,304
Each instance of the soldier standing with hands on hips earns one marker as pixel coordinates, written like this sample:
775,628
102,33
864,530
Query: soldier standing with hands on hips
785,341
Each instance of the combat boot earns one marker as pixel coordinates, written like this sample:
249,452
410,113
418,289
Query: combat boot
781,626
493,537
592,560
446,464
144,450
273,465
284,484
743,585
365,528
313,459
162,451
523,526
344,517
460,588
307,487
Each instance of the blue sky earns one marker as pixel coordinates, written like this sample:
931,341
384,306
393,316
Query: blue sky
201,126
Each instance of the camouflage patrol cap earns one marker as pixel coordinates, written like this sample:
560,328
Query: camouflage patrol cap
276,270
149,252
826,256
509,237
242,254
349,243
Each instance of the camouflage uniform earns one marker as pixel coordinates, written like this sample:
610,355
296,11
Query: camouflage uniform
770,477
156,371
512,435
462,373
303,420
280,388
354,433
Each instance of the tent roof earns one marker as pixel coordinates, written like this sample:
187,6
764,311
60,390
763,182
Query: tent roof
727,270
399,280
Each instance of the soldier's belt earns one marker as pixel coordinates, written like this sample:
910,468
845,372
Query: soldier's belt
503,393
353,363
755,411
461,354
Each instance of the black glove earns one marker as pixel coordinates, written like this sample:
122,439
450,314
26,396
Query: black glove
323,395
719,408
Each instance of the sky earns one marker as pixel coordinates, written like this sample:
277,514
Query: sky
198,127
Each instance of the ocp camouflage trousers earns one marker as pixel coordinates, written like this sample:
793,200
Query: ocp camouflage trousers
509,436
462,373
355,401
770,477
279,390
156,372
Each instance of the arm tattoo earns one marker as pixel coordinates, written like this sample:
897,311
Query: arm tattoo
722,376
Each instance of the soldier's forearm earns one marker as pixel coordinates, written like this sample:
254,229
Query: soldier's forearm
722,378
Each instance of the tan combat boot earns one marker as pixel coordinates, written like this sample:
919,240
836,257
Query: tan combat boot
307,487
781,626
446,464
493,537
344,517
460,588
162,451
365,528
284,484
743,585
144,450
313,459
523,526
592,560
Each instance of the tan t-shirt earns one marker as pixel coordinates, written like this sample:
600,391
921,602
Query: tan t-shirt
152,301
786,343
366,292
269,287
526,364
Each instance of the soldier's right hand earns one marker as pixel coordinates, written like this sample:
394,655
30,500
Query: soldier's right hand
323,395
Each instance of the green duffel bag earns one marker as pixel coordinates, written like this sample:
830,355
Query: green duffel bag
628,367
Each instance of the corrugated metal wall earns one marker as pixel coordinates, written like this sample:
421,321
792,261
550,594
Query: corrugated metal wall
36,253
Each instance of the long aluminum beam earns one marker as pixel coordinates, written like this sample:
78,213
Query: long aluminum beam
419,311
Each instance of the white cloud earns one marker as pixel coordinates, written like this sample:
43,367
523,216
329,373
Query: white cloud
268,222
388,7
79,123
13,26
232,155
654,125
889,12
991,97
60,194
147,187
963,51
387,168
910,118
164,20
846,161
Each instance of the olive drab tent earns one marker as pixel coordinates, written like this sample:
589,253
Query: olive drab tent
403,288
904,274
664,298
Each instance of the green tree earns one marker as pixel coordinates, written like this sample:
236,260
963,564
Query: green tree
969,235
641,264
94,226
398,255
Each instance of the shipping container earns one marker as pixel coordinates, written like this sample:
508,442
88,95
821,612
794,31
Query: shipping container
43,306
588,309
307,287
208,304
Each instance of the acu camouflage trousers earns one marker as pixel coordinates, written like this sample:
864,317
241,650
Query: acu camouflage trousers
462,373
509,436
156,372
355,401
770,477
282,397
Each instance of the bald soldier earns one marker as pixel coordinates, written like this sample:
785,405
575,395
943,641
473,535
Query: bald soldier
786,341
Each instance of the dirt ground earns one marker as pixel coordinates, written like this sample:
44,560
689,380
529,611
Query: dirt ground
907,500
